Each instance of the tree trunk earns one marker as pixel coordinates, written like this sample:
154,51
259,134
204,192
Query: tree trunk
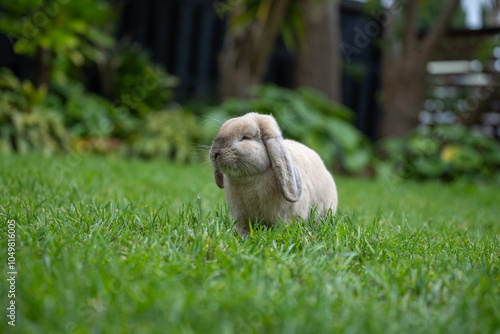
319,61
493,16
236,76
245,56
404,67
42,59
404,92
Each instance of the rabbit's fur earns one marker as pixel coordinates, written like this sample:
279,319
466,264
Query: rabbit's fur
266,178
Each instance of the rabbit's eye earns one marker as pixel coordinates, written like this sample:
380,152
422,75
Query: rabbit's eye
245,138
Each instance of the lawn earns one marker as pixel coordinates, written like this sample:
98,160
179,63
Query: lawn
117,246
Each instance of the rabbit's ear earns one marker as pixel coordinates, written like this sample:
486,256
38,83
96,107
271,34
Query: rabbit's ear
287,174
219,178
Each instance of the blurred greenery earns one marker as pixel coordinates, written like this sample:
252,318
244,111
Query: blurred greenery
73,34
309,117
27,124
446,152
90,115
72,31
169,134
138,84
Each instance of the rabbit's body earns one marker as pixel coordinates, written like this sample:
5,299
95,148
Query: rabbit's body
267,179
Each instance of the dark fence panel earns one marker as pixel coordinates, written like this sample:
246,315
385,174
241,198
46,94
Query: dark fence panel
362,59
22,66
183,35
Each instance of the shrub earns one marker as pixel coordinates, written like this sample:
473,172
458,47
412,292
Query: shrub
309,117
443,151
61,34
26,123
90,115
169,134
138,84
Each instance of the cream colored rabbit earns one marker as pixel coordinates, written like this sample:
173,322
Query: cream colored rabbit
267,178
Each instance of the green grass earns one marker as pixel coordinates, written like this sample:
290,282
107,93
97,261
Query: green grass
115,246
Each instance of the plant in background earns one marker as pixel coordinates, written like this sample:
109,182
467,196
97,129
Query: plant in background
60,34
63,36
447,152
137,83
26,123
169,134
160,129
309,117
93,121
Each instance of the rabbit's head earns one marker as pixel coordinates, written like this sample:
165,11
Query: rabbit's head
252,144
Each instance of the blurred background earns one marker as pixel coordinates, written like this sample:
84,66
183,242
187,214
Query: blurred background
380,88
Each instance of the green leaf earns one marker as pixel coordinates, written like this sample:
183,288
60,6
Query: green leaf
100,38
62,40
430,167
423,146
344,134
78,26
466,158
24,46
358,160
77,57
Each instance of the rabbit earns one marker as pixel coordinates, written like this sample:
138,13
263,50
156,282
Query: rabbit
268,179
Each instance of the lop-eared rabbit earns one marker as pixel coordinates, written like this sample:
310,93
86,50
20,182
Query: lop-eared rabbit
268,179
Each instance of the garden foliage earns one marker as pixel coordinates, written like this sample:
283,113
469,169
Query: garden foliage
68,32
26,122
445,152
171,134
137,83
135,116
